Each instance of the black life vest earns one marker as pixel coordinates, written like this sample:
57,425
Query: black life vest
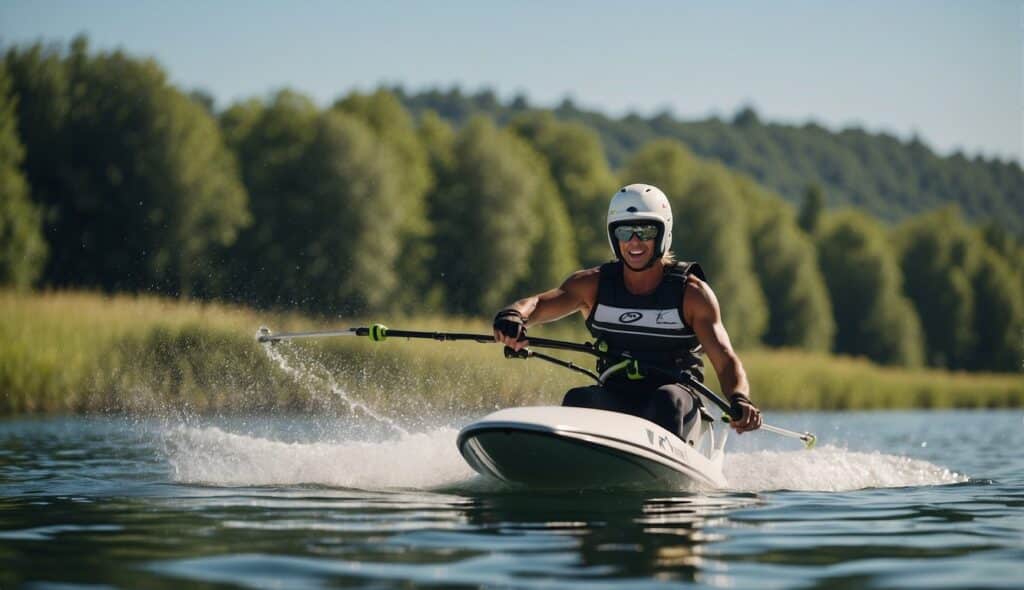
649,328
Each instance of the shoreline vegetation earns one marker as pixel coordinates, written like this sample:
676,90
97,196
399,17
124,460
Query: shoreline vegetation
845,243
79,352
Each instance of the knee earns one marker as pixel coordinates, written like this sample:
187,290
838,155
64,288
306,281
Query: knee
670,403
578,397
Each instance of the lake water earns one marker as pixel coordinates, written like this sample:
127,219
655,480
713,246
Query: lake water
888,500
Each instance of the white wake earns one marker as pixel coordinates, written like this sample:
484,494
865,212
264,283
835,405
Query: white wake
831,469
213,456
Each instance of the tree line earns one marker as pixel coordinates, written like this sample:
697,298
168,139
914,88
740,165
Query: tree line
114,179
887,177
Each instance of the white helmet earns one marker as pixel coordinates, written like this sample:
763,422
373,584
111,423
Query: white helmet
642,203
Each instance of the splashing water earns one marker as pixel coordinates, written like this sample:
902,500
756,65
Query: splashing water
830,469
316,378
213,456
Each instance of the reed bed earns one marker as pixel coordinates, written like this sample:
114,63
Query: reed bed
86,352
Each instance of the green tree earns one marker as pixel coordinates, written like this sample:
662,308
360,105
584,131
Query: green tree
799,310
138,186
580,170
487,218
999,315
553,255
811,209
872,316
938,255
438,138
22,249
393,126
890,178
271,142
39,78
1011,249
327,204
356,200
709,226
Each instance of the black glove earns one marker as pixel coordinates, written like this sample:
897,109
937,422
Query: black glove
735,409
510,323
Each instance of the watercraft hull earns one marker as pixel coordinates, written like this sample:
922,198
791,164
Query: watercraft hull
560,447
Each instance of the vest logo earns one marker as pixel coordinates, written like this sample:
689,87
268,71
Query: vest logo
630,316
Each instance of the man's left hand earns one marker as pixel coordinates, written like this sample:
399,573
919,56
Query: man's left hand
745,415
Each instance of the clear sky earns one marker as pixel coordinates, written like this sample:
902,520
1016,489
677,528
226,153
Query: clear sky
949,71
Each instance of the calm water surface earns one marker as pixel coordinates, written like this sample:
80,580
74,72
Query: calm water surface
890,500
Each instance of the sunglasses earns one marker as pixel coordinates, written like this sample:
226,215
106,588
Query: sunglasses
624,233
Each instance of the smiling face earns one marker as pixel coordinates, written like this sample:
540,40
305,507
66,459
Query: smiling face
636,251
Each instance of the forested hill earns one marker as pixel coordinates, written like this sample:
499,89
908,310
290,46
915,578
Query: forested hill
888,177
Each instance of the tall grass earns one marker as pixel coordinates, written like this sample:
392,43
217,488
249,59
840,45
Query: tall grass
78,352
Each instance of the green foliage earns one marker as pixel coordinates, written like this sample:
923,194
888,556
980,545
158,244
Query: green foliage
1006,246
872,316
327,203
133,174
438,138
553,256
939,255
578,166
364,207
22,249
358,199
791,380
888,177
998,316
811,209
487,218
710,227
65,352
395,128
966,287
76,352
799,310
270,142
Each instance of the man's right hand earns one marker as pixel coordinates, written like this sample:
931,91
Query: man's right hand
745,415
510,329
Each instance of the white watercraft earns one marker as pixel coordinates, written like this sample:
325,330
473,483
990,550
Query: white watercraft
563,447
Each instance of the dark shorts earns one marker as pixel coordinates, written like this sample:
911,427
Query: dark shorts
670,406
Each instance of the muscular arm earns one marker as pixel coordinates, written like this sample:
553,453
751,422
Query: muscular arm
701,312
577,293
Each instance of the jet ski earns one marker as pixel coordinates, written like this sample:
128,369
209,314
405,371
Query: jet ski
566,447
560,447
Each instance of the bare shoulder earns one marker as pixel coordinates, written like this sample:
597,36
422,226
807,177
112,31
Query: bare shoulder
699,299
586,275
583,285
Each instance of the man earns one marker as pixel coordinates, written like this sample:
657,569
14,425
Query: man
660,312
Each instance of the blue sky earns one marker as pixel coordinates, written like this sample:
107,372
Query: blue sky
949,71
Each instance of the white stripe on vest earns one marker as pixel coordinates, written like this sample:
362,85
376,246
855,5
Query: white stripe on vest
661,319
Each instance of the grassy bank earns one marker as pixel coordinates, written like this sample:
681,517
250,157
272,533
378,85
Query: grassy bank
75,352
